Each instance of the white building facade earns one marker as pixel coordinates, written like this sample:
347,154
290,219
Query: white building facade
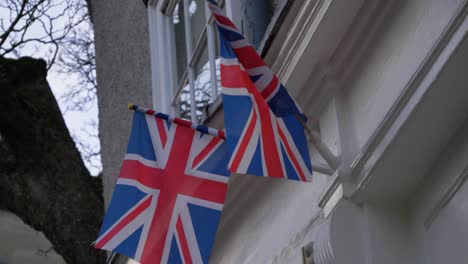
383,83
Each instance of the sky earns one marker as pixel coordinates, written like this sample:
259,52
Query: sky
79,123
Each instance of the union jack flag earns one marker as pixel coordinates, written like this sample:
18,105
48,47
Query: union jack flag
168,199
263,123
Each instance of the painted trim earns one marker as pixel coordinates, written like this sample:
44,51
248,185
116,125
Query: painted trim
325,81
329,190
308,14
332,70
274,25
322,168
163,78
154,2
167,6
233,11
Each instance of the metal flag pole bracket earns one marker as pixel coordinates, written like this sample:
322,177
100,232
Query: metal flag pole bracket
201,128
315,139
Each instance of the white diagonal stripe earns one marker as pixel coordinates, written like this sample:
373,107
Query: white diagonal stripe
294,149
138,185
187,225
139,158
144,233
109,246
239,43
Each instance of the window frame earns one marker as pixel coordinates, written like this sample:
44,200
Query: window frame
166,87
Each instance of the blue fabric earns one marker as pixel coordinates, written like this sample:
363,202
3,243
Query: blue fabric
225,48
140,137
237,109
295,128
175,257
128,246
255,168
205,223
217,163
236,113
203,129
123,198
292,175
282,104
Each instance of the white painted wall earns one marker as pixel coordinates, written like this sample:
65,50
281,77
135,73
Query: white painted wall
440,207
390,238
266,220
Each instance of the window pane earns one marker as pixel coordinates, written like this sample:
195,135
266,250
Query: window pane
218,75
197,19
184,102
218,60
179,33
202,82
257,17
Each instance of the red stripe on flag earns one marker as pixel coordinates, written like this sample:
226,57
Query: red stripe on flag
183,242
205,151
244,142
183,122
221,134
249,57
224,20
291,155
204,189
134,170
162,131
233,77
124,222
270,88
270,149
154,245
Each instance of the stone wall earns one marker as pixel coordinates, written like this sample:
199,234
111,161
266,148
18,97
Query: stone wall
123,75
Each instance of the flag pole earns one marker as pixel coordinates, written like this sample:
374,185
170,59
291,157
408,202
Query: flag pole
200,128
324,151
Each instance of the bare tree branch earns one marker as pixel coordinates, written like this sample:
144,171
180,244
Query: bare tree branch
46,23
60,32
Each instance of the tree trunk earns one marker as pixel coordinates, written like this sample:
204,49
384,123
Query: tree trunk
44,180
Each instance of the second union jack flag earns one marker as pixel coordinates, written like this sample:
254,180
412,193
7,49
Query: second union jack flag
264,133
168,199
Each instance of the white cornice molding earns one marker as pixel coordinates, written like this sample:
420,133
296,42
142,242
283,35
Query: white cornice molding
329,72
324,81
297,34
337,69
315,24
409,100
359,38
329,190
